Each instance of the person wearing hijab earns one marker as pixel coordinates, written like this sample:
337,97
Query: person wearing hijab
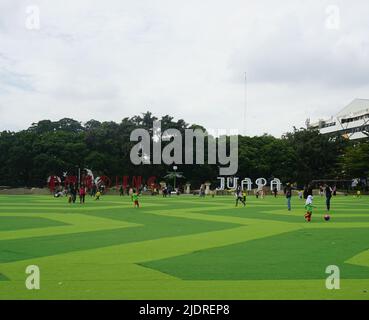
309,208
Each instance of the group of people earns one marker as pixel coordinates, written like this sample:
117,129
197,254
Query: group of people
167,191
240,196
127,190
307,194
73,191
81,191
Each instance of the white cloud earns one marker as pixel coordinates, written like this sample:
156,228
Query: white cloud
112,59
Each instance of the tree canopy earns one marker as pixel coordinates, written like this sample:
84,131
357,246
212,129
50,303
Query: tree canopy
47,148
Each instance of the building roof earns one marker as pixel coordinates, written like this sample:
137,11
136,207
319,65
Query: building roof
352,121
355,108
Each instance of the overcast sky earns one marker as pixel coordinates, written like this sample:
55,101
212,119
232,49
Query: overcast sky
110,59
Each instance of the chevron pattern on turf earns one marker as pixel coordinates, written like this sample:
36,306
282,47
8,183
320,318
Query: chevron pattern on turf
182,248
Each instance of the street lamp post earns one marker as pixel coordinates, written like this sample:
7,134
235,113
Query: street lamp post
175,168
174,175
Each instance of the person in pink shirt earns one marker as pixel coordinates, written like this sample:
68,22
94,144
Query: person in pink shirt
82,194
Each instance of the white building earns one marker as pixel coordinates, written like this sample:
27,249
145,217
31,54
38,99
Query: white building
352,122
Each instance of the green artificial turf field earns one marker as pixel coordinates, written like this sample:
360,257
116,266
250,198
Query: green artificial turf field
182,248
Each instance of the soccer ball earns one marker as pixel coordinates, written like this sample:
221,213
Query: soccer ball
327,217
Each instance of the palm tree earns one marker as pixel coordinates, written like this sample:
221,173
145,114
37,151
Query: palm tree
174,175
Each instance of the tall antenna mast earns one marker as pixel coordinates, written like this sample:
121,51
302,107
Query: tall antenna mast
245,109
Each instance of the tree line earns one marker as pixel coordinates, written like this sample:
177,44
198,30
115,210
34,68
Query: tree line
48,147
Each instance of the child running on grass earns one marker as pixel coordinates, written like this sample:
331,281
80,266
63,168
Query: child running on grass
309,208
136,204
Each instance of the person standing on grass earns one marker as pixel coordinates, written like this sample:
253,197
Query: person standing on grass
73,193
82,194
328,197
288,193
275,192
244,195
321,191
239,197
165,191
262,194
69,191
170,189
202,191
305,192
136,204
93,190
